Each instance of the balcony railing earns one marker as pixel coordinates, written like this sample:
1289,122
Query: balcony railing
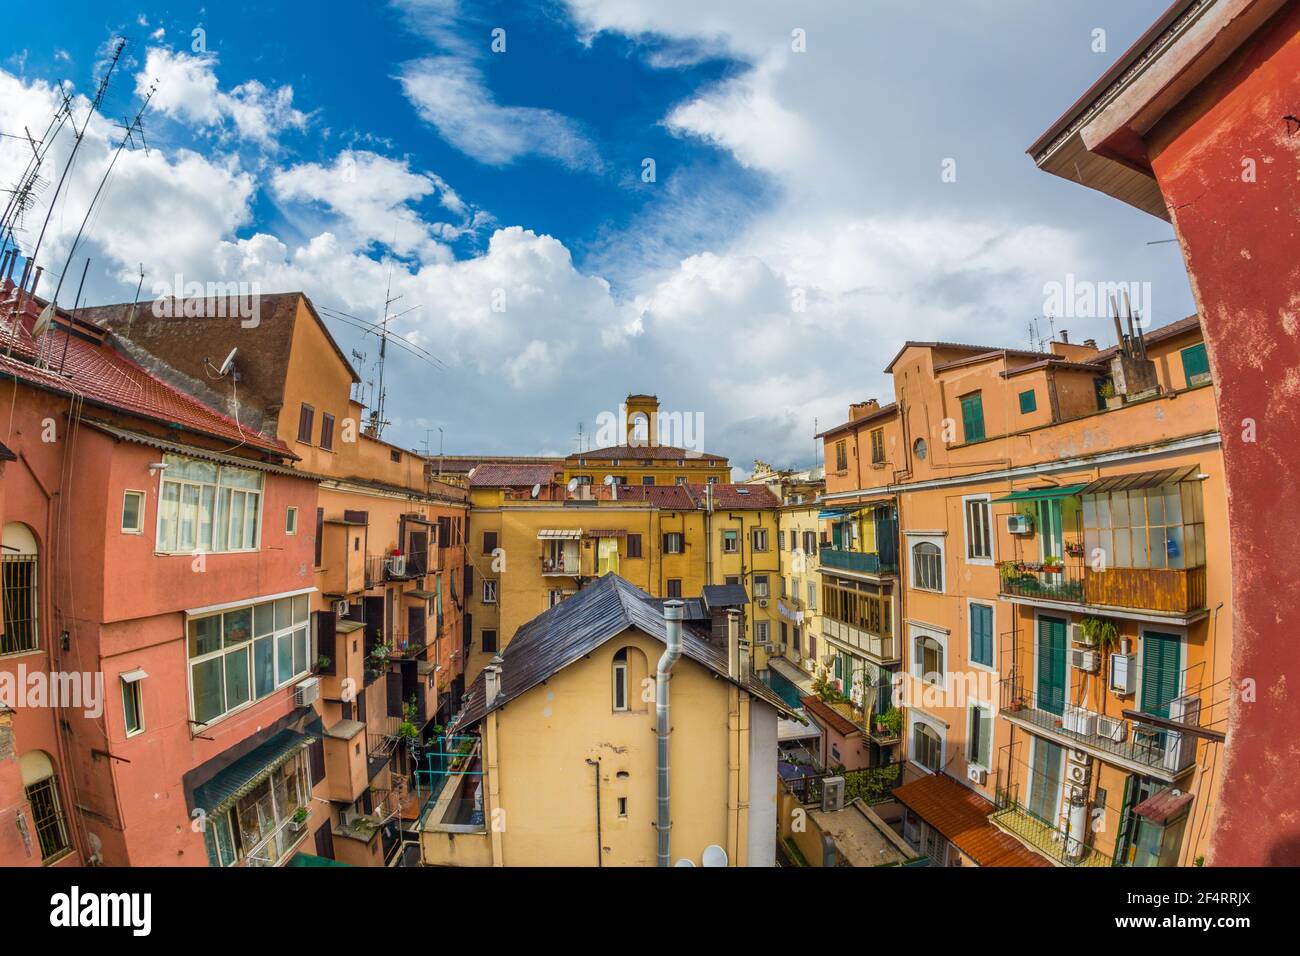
863,562
1155,750
566,565
1043,837
395,567
871,784
881,648
1165,590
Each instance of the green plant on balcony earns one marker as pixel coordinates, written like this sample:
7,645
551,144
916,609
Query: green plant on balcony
1100,631
890,722
323,662
1009,571
300,815
407,730
379,655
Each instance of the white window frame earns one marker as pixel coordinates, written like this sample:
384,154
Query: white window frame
217,488
757,535
620,667
762,633
677,538
966,535
812,595
918,632
970,661
971,704
918,716
144,500
730,536
913,539
291,520
489,591
132,688
762,580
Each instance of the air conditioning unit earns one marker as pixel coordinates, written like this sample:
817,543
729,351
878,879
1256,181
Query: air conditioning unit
976,775
1079,720
1020,524
306,692
762,602
340,608
1123,673
1078,774
1111,728
832,794
780,648
1078,637
1083,660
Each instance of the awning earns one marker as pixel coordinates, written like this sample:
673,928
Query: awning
1140,479
560,534
422,595
1043,494
347,626
228,785
1164,806
607,533
837,512
308,859
131,676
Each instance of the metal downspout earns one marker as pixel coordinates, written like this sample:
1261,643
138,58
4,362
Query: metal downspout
673,638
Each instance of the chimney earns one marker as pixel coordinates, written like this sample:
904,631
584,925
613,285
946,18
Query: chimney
492,680
1065,336
861,409
733,643
1091,343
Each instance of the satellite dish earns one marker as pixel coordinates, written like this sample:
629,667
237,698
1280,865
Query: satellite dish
714,855
685,862
537,490
230,360
608,479
45,320
573,484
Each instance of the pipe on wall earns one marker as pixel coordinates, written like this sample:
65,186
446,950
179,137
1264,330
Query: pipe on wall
673,651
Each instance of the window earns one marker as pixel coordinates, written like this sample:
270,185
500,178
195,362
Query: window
761,632
1160,527
927,747
620,680
647,479
981,634
812,595
208,507
256,829
979,736
620,479
326,431
1196,364
320,533
919,449
758,539
730,542
841,456
489,542
19,574
927,653
809,543
972,417
41,787
673,542
785,590
489,641
979,530
877,446
760,586
489,591
395,456
674,587
132,713
622,806
291,521
634,546
712,479
796,640
244,654
1028,402
306,419
731,579
582,479
133,512
681,479
927,566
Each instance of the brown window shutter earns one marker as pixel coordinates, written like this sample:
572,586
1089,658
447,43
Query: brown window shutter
306,419
325,841
395,694
326,430
316,760
320,533
325,639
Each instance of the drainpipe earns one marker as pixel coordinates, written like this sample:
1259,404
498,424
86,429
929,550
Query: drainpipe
600,840
673,637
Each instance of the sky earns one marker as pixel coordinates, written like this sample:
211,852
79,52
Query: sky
744,208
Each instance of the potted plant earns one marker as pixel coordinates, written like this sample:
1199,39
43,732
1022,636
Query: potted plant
890,722
1112,398
298,822
323,662
1100,632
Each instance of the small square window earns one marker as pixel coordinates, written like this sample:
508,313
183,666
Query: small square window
291,521
1028,402
395,455
133,512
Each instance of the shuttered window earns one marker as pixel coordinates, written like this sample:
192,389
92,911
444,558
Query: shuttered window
1161,668
1051,664
980,749
1196,364
1028,402
972,417
306,419
981,634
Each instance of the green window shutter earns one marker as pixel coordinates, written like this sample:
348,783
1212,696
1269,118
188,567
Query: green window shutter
986,740
1051,665
1161,668
981,634
1028,402
1196,364
972,417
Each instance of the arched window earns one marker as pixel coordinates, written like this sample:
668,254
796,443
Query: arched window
929,659
19,578
620,680
927,747
927,566
41,787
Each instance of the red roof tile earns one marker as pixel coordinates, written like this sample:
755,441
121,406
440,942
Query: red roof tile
643,452
826,715
962,816
503,475
741,497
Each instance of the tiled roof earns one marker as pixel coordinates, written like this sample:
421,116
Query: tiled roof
962,816
959,346
104,377
1169,330
510,475
667,497
884,411
739,497
575,627
642,452
826,715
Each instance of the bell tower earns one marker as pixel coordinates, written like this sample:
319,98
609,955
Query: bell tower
642,409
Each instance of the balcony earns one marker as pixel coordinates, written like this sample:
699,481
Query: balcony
395,567
1134,745
1043,837
860,562
1176,592
564,565
880,648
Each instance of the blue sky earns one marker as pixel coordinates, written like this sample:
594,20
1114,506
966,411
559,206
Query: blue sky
504,190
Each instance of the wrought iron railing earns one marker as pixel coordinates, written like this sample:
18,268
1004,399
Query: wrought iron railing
870,784
1051,582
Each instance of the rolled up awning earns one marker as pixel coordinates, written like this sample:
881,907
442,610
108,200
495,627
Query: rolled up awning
560,533
1043,494
229,784
1140,479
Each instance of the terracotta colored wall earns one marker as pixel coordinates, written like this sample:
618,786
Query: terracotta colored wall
1239,240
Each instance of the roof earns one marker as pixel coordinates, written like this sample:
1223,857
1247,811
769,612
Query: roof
1047,493
667,497
227,785
640,452
577,626
739,497
884,411
723,595
1135,481
512,475
106,378
193,451
960,347
828,716
1154,336
1163,806
962,816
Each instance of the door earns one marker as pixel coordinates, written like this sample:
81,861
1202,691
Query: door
417,562
1161,671
1051,543
1045,780
1051,663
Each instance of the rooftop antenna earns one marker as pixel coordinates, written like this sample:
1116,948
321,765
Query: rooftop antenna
21,196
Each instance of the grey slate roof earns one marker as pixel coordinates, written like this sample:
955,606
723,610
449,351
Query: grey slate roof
575,627
724,595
